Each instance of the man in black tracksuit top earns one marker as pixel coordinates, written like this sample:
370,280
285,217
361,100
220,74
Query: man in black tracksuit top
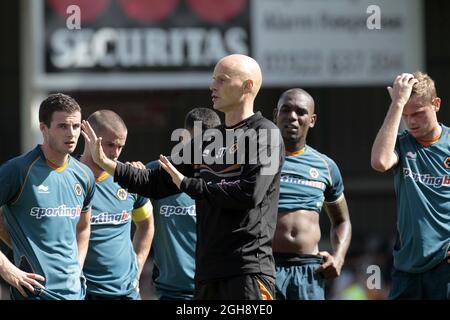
236,190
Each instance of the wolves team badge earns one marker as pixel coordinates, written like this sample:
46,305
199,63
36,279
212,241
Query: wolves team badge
78,189
447,162
122,194
313,172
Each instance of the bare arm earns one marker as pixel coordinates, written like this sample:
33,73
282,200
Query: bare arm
4,234
341,228
383,156
142,240
83,234
340,234
18,278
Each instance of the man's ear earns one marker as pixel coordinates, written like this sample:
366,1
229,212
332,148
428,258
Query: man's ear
436,102
313,120
248,85
43,127
275,115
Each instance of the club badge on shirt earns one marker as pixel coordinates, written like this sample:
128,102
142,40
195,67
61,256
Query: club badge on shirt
313,173
122,194
78,189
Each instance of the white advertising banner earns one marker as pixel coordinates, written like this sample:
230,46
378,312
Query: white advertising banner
336,42
143,44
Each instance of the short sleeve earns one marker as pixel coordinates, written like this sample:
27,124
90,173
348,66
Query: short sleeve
397,149
91,187
336,187
11,178
140,201
142,212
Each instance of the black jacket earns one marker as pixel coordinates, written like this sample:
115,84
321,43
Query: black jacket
236,200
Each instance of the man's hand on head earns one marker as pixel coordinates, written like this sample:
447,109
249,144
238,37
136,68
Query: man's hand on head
95,147
402,88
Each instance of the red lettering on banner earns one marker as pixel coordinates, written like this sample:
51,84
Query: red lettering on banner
217,10
148,10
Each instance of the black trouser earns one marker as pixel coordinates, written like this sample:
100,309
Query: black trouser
244,287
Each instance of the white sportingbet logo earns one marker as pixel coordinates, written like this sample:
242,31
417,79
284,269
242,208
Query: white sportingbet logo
61,211
111,218
177,210
300,181
427,179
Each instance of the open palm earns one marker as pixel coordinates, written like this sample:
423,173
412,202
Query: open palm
94,142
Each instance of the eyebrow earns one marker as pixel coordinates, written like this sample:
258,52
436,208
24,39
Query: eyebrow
68,123
417,111
288,105
221,75
113,142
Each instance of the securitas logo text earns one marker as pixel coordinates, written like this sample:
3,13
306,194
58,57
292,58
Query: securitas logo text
179,211
111,218
437,182
61,211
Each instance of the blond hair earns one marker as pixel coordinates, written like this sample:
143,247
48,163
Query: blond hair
425,88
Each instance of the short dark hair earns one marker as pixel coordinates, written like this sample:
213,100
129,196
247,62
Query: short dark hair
56,102
208,117
297,91
105,119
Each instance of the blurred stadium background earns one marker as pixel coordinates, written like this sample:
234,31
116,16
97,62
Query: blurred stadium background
151,61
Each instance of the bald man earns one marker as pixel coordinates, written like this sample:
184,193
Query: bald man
114,262
235,186
309,180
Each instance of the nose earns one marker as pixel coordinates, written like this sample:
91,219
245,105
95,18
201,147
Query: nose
213,85
117,150
292,115
115,153
410,121
71,131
